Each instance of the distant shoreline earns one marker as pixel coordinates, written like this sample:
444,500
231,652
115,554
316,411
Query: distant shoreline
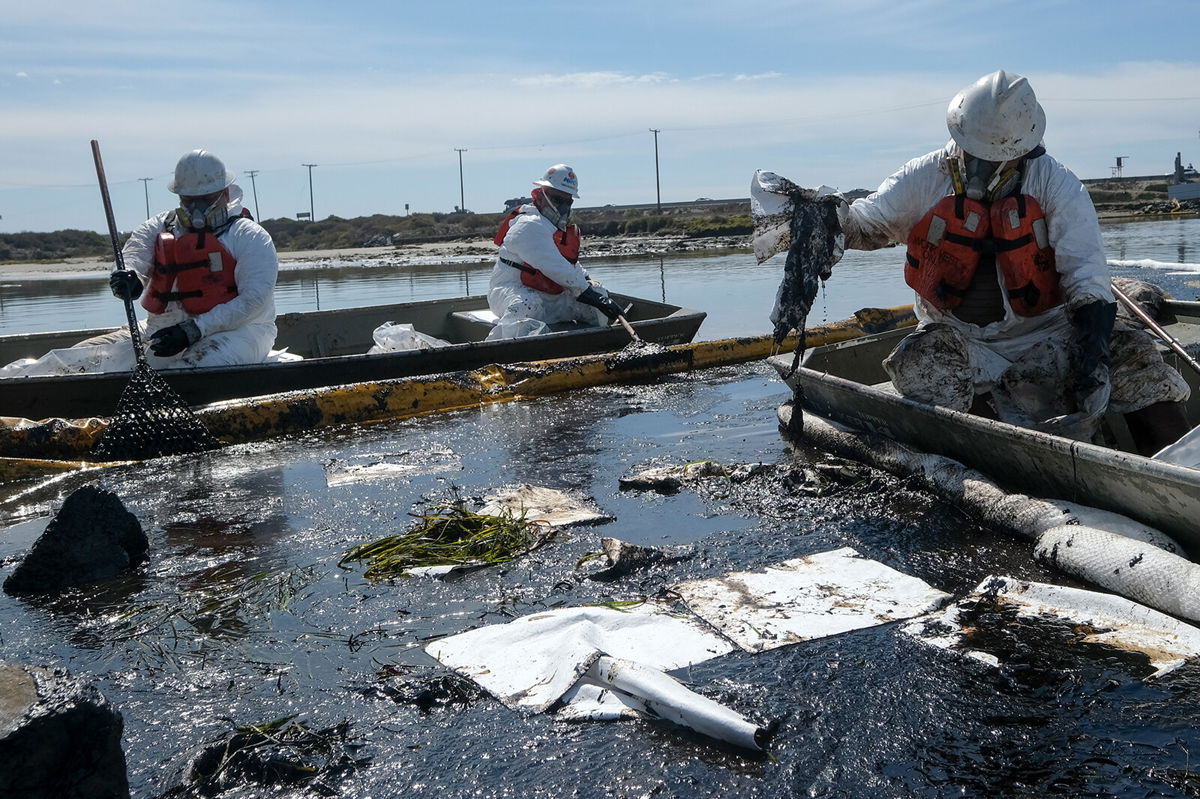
468,251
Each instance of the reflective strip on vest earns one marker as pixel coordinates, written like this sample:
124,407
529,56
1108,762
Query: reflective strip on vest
194,270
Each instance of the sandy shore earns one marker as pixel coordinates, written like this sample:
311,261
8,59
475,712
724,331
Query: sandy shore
432,253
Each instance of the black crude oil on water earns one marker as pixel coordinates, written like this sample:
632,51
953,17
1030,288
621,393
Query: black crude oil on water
241,632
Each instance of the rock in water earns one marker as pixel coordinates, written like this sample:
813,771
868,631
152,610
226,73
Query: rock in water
92,537
59,738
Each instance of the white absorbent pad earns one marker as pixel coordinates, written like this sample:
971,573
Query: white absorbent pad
606,663
1103,618
806,598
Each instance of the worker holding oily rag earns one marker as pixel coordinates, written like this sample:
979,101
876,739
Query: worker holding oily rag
537,280
1014,295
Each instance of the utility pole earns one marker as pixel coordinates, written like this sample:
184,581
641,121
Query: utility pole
462,200
657,185
254,190
311,214
146,191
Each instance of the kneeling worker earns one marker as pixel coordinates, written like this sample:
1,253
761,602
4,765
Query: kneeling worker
537,280
205,273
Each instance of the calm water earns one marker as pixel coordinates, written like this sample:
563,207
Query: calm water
736,293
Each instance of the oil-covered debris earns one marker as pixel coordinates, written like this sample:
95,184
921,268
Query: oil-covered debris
1004,617
451,535
424,692
672,479
623,558
547,506
1149,296
92,537
49,438
278,754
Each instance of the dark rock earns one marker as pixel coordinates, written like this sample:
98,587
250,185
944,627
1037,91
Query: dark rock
92,537
59,738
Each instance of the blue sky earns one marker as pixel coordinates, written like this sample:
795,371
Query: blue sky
378,95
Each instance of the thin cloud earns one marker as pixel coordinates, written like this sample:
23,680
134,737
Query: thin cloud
593,80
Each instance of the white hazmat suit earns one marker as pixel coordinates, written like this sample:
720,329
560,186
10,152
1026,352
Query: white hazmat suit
239,331
522,310
888,216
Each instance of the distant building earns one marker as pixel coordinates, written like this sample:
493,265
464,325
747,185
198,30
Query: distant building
1183,182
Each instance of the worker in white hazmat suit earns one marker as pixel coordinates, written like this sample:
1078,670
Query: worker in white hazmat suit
537,280
1014,296
205,274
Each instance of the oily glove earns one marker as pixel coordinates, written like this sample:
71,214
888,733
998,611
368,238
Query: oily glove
1092,329
605,305
174,339
125,284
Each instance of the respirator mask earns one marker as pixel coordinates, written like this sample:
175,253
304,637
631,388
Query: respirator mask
200,213
554,205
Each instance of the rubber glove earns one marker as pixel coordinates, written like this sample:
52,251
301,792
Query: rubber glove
125,284
605,305
1092,326
174,339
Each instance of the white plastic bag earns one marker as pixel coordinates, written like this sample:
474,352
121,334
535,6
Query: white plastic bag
391,337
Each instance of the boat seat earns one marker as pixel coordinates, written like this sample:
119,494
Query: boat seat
472,325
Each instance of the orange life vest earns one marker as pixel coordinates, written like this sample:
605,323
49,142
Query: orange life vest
195,270
567,242
944,249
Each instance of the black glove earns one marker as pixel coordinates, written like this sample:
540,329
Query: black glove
174,339
1093,324
605,305
125,284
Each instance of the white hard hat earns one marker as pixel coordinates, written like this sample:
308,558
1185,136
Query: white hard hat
561,177
997,118
198,173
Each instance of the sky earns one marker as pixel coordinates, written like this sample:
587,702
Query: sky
380,95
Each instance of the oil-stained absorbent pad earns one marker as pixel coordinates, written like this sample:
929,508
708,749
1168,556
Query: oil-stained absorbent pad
1106,618
807,598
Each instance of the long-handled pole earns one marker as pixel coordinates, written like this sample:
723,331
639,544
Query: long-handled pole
118,259
628,328
1166,337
